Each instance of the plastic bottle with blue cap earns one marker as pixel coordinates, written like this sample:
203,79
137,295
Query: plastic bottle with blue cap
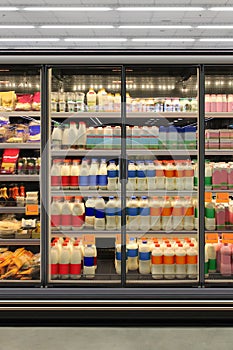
132,213
144,258
110,213
132,253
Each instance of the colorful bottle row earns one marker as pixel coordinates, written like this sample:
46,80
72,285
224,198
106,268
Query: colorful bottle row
218,258
218,216
218,103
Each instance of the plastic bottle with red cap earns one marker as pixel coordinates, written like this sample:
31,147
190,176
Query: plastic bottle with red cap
64,262
169,262
157,262
75,262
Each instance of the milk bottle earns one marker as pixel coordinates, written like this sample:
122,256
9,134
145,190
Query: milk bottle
118,213
91,100
62,102
91,138
108,137
118,259
56,137
132,211
157,263
154,137
144,258
75,262
170,179
213,103
211,251
54,260
192,262
99,223
55,214
224,103
66,214
177,215
74,174
159,176
180,170
195,176
207,103
208,176
181,272
90,213
132,177
72,135
78,212
103,177
117,137
166,219
188,215
88,261
188,176
110,102
169,262
210,221
132,253
65,137
136,137
64,262
110,213
82,136
225,267
93,174
99,139
56,174
150,174
144,214
219,103
128,137
141,177
84,175
65,174
155,214
112,176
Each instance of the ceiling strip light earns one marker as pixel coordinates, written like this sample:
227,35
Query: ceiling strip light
9,26
217,39
29,39
162,39
168,8
77,26
95,39
67,8
155,27
226,8
216,27
8,8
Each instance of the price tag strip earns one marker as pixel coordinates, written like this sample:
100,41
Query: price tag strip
222,197
208,197
227,238
32,209
211,238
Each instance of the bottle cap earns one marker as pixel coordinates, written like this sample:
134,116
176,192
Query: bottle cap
64,244
180,245
191,245
157,245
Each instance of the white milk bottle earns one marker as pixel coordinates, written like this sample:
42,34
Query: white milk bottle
188,176
150,174
181,268
99,140
132,211
108,137
78,213
65,137
117,137
180,176
188,215
192,262
112,176
159,176
169,263
74,174
177,214
144,258
75,262
118,213
144,214
99,223
84,175
210,221
55,214
64,262
66,214
103,175
88,261
155,214
93,174
56,174
208,176
56,136
82,136
157,262
132,253
141,177
118,259
170,179
54,262
110,213
65,174
132,177
72,134
136,137
166,215
90,213
91,100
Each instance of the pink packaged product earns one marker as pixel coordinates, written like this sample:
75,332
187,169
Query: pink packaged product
224,134
220,176
212,134
213,144
230,176
220,216
225,266
225,144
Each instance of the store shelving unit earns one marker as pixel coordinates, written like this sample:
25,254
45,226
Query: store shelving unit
20,242
24,178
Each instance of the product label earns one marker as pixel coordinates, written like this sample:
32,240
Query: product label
144,211
169,260
55,180
102,180
206,267
180,260
222,197
189,211
150,173
144,255
118,255
112,173
159,173
83,180
208,197
132,174
110,211
75,269
54,269
179,173
55,220
77,220
74,181
65,180
177,212
93,180
132,253
32,209
192,259
100,213
157,260
166,211
189,173
212,264
141,174
88,261
66,220
90,211
208,180
155,211
132,211
64,269
169,173
210,213
95,260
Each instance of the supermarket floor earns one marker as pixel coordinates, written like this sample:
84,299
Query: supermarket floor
115,338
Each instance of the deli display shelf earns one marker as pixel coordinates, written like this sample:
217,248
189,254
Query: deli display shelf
104,234
91,193
22,178
90,153
162,193
21,114
220,191
16,241
117,193
103,115
219,152
162,152
14,210
219,115
20,145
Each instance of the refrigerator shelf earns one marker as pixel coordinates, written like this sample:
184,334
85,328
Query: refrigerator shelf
89,153
219,115
106,233
162,193
15,210
22,241
88,193
162,152
18,114
22,178
219,152
33,145
104,115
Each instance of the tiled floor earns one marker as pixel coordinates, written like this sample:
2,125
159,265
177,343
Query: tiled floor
116,338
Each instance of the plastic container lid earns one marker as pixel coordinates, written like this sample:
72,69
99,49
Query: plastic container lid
111,197
180,245
133,197
190,128
191,245
157,245
169,245
64,244
162,129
